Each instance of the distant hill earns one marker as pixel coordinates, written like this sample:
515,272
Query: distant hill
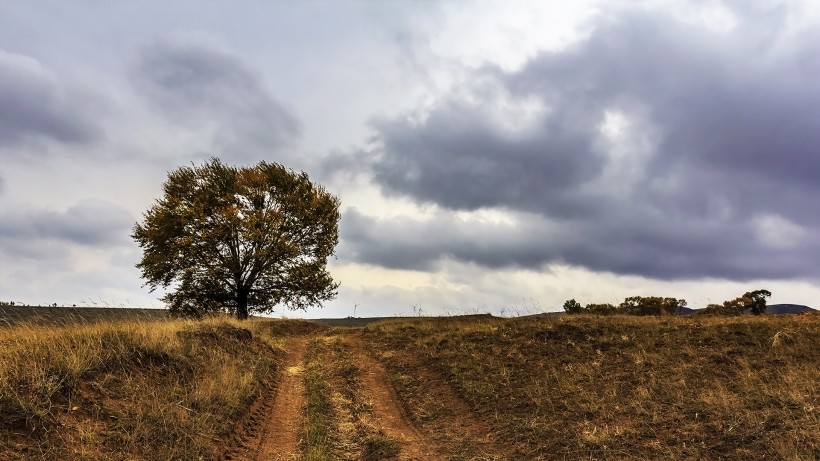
788,309
770,309
686,311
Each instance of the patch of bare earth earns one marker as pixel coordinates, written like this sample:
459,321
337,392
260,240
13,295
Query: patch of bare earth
274,423
387,408
440,414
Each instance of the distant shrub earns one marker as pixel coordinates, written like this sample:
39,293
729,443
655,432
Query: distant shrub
651,305
573,307
600,309
635,305
754,301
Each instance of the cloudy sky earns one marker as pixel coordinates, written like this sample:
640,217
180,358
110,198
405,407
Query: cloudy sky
490,156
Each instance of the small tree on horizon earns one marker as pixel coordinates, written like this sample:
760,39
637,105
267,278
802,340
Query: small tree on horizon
755,301
239,240
572,306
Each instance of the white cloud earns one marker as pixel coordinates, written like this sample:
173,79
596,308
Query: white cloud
778,232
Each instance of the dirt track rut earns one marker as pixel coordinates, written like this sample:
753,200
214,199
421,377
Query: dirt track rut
280,438
387,408
272,433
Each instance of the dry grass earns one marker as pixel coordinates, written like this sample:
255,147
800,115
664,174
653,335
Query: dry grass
128,390
46,315
623,387
318,423
339,423
574,387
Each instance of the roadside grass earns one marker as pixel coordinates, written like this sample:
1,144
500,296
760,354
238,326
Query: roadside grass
318,423
338,423
584,387
128,390
359,432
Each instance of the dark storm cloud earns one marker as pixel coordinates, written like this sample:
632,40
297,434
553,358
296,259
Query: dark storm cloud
731,126
459,160
402,243
36,105
198,85
661,251
92,223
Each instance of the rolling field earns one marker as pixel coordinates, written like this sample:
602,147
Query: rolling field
619,387
469,388
47,315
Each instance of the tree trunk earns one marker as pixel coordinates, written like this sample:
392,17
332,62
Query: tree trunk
242,304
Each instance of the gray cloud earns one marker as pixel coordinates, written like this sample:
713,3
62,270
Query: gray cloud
200,86
44,234
665,251
714,173
36,105
402,243
457,159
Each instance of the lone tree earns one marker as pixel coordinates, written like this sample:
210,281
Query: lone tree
240,240
572,306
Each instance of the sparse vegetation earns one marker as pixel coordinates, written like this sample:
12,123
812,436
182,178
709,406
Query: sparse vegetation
622,387
466,388
651,305
338,418
317,442
754,302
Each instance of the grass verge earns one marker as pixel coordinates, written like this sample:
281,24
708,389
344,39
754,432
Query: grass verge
318,422
338,417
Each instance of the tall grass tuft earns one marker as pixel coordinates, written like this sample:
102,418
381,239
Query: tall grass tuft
127,390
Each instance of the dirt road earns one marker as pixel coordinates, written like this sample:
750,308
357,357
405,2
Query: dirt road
387,409
273,434
274,427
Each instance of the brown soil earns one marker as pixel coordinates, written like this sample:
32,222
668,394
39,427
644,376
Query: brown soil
387,408
272,432
271,429
442,416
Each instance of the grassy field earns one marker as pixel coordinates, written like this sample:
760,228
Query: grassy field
46,315
466,388
61,315
620,387
128,390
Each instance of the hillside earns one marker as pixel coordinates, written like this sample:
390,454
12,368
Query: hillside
578,387
129,390
466,388
788,309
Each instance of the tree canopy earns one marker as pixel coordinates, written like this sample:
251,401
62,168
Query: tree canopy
241,240
635,305
753,301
